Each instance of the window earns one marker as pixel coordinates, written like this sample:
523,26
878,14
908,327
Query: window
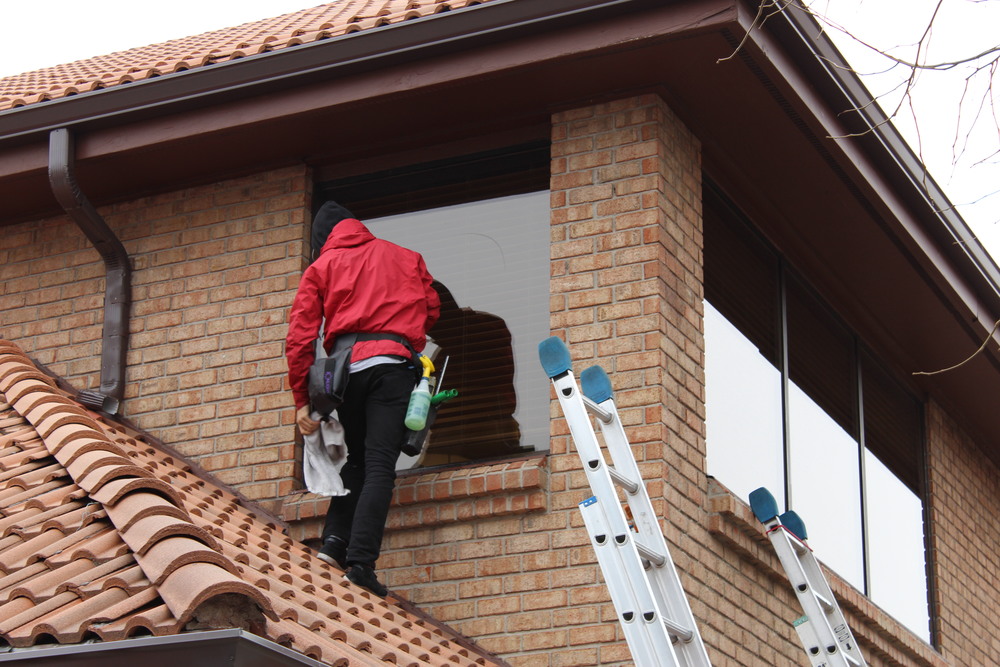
796,403
482,226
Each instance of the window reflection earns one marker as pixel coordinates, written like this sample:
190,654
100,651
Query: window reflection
477,359
826,486
894,517
743,411
492,258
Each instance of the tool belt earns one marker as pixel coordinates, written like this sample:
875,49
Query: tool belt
328,376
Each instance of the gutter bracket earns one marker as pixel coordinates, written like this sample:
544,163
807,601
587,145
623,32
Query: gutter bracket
118,273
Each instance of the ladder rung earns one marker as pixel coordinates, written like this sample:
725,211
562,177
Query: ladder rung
677,632
827,605
621,480
799,547
654,557
596,410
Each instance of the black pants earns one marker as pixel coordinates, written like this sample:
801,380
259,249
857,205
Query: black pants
372,415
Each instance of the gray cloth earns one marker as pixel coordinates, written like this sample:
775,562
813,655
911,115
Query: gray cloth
324,454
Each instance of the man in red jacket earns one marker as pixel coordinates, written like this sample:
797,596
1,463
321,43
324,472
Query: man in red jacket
360,284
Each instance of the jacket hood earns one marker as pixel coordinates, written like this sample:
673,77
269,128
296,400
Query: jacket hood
327,217
348,233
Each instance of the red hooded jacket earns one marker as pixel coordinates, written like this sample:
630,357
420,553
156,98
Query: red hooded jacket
360,284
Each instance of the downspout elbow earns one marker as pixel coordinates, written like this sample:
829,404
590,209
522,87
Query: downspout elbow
118,273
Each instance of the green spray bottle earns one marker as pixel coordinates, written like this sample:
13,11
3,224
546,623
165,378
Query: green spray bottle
420,399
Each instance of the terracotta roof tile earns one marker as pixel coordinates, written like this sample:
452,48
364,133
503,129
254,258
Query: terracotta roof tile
121,567
99,547
273,34
11,584
103,535
22,610
157,621
122,572
67,623
48,583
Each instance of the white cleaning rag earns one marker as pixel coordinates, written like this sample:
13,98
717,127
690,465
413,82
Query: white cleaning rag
324,454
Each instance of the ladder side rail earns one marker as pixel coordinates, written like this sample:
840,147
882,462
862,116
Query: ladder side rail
603,487
804,584
599,392
662,575
834,615
807,636
588,449
646,586
648,641
639,503
818,657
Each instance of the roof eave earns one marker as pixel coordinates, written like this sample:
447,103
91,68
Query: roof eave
297,65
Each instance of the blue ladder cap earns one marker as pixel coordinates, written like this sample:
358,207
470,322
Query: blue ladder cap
763,504
554,355
595,384
589,501
794,523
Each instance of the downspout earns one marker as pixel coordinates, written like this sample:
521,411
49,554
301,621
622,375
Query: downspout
118,273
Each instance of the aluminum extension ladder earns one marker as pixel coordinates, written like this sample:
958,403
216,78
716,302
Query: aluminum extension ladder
823,631
645,589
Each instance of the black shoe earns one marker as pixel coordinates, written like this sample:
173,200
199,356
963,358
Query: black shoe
364,576
334,552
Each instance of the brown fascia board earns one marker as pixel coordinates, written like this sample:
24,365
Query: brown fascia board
306,63
919,212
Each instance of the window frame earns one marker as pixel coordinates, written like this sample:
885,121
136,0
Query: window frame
522,169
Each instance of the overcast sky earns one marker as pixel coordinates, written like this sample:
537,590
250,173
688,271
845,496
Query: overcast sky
42,33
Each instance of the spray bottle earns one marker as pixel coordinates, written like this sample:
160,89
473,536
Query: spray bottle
420,399
414,443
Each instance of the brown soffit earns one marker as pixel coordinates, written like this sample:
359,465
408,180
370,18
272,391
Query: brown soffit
937,230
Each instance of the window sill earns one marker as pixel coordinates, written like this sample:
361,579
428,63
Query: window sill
483,489
732,523
432,497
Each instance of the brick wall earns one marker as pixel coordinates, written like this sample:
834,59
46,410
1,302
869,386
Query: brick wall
626,294
965,491
214,272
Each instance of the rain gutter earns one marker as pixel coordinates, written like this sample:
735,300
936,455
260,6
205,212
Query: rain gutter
118,273
209,648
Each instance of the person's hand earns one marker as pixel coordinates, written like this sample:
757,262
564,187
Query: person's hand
306,424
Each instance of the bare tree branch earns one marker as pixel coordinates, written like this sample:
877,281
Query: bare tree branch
970,358
975,106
